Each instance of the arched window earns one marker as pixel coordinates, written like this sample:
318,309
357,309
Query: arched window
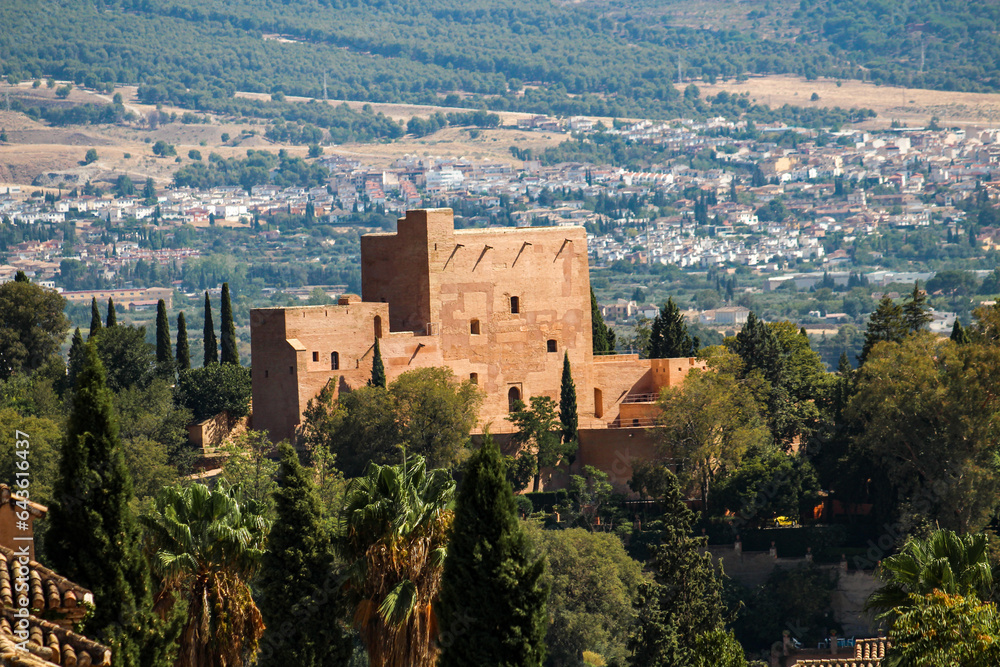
334,361
474,378
551,345
378,326
515,305
598,402
474,327
513,398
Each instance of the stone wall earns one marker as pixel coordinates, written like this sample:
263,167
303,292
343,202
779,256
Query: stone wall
853,586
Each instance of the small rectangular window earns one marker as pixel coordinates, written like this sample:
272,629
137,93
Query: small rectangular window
551,345
315,356
265,373
515,305
474,327
291,370
474,378
334,361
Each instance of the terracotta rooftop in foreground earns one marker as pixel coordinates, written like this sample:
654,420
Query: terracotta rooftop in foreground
867,653
49,644
51,595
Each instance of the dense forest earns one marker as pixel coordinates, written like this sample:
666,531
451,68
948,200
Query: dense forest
594,58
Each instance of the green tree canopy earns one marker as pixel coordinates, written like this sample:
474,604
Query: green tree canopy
493,595
927,412
711,420
669,336
594,585
94,539
209,390
301,600
130,360
32,326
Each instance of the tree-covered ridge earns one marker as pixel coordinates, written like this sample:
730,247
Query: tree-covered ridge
586,57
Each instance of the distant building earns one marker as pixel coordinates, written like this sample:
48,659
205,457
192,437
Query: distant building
499,307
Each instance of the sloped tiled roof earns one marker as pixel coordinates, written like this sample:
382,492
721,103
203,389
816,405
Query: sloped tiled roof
867,653
48,644
51,595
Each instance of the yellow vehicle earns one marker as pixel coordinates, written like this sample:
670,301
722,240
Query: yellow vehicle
784,522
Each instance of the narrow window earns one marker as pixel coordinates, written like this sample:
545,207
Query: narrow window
635,422
551,345
598,403
474,378
515,305
474,327
315,356
265,373
334,361
291,370
378,326
513,398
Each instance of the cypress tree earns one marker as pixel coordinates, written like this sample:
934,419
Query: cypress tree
95,317
603,337
76,358
183,352
378,368
211,345
112,315
886,323
94,539
164,355
21,277
230,355
684,604
959,334
492,609
567,403
300,591
915,313
669,336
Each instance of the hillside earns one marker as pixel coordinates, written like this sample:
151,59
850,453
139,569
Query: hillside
598,57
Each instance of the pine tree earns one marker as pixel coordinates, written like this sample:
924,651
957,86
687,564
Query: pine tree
94,539
211,345
112,315
230,355
492,609
886,323
301,600
164,355
669,336
959,334
95,318
378,369
915,311
603,337
567,403
76,358
183,352
684,604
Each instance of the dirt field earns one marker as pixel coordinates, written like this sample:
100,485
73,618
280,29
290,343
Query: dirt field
57,154
912,106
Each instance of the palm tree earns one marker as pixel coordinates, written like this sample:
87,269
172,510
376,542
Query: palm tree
394,531
945,561
205,545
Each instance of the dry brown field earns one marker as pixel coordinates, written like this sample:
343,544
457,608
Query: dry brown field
910,106
35,149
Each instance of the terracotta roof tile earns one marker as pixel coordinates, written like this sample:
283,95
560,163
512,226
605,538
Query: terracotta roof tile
48,644
50,593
